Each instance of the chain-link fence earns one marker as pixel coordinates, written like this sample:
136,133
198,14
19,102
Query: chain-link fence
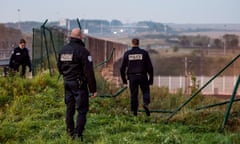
47,41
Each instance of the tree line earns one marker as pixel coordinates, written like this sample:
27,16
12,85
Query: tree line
229,41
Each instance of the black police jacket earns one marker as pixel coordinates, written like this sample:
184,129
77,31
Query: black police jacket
75,63
136,61
20,56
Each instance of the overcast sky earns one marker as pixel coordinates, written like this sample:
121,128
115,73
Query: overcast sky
163,11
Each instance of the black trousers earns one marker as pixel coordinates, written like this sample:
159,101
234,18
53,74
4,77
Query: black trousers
76,98
136,81
23,69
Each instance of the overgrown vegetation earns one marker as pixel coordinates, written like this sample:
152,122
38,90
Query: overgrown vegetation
33,111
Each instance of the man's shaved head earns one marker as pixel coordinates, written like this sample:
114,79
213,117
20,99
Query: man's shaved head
76,33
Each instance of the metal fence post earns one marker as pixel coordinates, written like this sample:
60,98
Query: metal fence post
230,104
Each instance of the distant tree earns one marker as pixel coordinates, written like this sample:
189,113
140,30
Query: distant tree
231,40
116,23
194,41
175,49
201,41
184,41
218,43
234,43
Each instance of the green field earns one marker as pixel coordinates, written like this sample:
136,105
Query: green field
32,111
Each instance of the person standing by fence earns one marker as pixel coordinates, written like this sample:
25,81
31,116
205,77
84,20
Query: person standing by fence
76,66
138,67
20,57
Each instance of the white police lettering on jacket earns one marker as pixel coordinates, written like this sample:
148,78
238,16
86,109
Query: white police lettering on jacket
135,57
66,57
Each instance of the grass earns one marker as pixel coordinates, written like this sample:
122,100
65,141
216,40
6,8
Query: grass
33,111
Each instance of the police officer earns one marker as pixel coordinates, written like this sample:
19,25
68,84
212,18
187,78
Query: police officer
138,67
20,57
76,66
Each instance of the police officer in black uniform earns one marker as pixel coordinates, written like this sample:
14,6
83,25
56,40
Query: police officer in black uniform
138,67
76,66
20,57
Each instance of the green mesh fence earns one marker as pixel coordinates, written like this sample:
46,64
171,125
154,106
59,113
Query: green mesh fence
47,42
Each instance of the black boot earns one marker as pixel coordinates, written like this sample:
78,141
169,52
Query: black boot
146,109
71,133
81,137
135,113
